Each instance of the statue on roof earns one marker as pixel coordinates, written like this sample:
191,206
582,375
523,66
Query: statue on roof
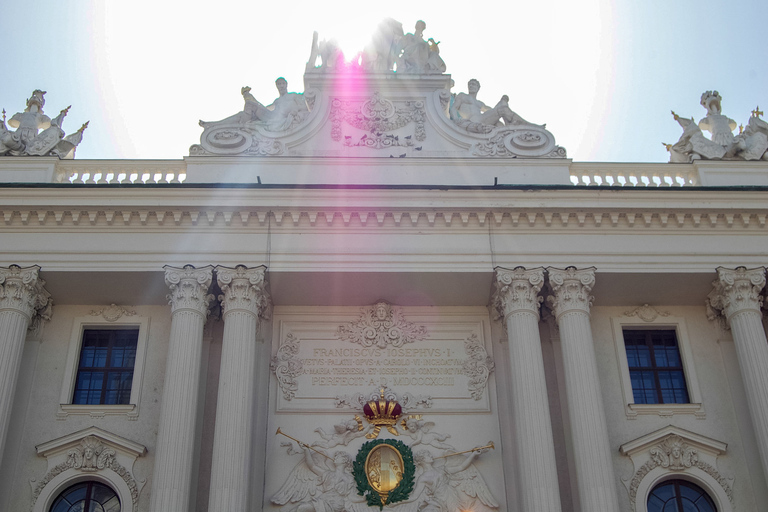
476,117
417,56
750,144
28,140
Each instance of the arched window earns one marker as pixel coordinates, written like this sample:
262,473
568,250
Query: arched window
679,496
87,497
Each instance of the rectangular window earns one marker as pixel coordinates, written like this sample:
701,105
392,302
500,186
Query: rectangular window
106,365
655,367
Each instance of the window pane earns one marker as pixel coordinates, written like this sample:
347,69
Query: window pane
113,353
655,366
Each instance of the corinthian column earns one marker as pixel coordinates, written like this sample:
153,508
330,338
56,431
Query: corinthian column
736,295
571,301
244,300
22,297
189,299
517,299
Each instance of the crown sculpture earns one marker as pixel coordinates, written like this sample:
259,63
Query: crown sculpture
382,413
28,140
750,144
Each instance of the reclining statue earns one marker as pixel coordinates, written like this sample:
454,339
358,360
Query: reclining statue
475,116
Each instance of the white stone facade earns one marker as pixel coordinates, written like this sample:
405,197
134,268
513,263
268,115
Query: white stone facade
280,277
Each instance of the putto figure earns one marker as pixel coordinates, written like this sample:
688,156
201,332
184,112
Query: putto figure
28,140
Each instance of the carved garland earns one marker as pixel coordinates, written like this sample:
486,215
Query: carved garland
675,455
403,489
286,366
113,312
92,455
406,400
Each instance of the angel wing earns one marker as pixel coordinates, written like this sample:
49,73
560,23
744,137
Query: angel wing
302,484
427,426
470,483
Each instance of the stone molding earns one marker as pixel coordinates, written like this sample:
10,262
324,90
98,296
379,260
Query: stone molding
91,450
244,289
517,290
22,290
673,450
735,291
113,312
381,325
189,288
571,289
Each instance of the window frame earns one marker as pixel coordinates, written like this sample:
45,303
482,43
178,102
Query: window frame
678,325
80,325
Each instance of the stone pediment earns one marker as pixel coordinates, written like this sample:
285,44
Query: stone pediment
392,101
671,451
89,451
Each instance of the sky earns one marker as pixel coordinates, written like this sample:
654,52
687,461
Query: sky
603,75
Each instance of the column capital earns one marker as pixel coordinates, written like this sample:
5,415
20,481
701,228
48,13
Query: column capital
189,288
22,290
737,290
244,289
571,288
517,290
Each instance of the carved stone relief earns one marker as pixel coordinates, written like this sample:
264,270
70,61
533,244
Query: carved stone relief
674,450
378,117
91,454
646,313
381,325
478,367
287,366
113,312
407,401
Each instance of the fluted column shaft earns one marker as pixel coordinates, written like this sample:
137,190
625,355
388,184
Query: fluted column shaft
22,296
517,299
571,302
736,294
189,299
244,301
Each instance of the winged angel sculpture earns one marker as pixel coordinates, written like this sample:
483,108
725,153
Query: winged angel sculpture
320,484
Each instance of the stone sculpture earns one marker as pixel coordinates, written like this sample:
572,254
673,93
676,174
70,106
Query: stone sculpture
444,485
750,144
288,110
343,433
421,433
28,140
320,483
417,56
381,53
476,117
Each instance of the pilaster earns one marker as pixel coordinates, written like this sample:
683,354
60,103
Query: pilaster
244,300
517,300
736,295
22,298
571,302
189,300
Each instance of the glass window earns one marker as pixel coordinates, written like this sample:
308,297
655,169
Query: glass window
105,369
679,496
87,497
655,367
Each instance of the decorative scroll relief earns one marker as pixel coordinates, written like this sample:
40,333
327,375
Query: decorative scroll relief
90,451
407,401
381,325
113,312
378,117
646,313
674,450
320,365
523,141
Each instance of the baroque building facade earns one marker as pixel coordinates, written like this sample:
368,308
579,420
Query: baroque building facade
380,269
